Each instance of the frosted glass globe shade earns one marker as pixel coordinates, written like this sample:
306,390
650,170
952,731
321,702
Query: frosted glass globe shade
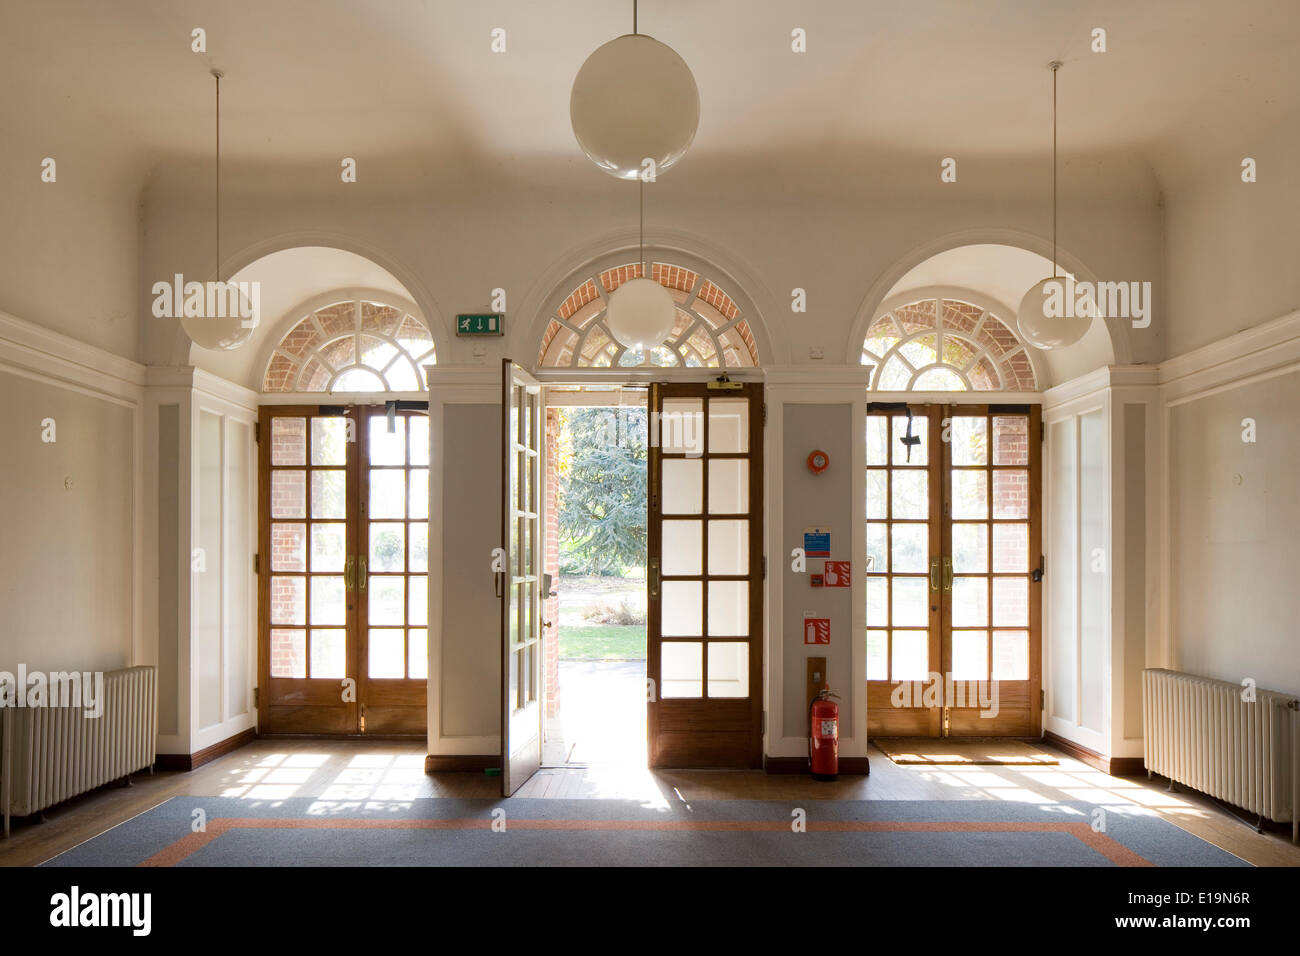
211,330
634,99
1052,328
640,314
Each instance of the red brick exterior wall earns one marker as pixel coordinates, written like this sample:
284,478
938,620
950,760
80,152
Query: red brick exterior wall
288,547
551,606
1010,494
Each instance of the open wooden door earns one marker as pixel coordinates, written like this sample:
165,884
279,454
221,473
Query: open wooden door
520,580
705,577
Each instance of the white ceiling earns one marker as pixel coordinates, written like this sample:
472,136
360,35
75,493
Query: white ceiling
1004,274
286,280
115,84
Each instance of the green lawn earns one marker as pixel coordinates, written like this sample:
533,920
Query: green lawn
602,642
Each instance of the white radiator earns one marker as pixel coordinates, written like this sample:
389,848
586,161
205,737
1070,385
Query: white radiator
51,754
1200,732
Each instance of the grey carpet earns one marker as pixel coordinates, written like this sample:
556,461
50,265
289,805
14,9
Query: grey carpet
129,844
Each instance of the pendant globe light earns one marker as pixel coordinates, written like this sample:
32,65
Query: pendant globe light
219,332
641,312
1037,327
634,99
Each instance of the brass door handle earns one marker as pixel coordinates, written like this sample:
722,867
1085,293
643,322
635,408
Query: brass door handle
947,574
361,578
654,578
349,574
934,574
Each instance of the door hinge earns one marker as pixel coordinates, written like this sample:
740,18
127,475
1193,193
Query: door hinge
1042,700
1042,431
257,697
1037,574
257,431
257,564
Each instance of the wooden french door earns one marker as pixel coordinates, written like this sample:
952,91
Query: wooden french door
705,576
954,548
520,576
343,569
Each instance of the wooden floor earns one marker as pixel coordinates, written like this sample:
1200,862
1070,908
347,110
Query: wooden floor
352,770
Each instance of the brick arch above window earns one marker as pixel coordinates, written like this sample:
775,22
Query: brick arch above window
946,345
709,332
355,345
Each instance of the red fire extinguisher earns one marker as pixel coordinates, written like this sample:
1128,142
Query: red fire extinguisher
824,736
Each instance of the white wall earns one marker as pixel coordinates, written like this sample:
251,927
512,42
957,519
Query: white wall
66,581
1234,541
70,250
70,561
452,235
201,528
1102,599
1232,548
1076,609
1232,247
804,415
223,608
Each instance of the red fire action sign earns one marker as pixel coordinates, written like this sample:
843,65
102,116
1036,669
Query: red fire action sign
837,574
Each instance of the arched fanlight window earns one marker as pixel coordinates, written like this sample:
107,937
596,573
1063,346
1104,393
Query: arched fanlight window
946,345
710,331
352,346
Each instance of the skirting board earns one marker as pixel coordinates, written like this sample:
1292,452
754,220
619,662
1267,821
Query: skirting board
477,763
848,765
1115,766
460,763
206,755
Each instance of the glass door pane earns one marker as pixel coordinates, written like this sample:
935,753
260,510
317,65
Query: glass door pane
991,630
392,586
705,576
952,538
523,437
305,538
902,570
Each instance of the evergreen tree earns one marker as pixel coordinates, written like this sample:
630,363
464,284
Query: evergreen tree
602,472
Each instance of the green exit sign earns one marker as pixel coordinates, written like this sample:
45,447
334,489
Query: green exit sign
490,323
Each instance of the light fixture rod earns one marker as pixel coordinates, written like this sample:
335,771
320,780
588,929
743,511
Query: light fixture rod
1055,65
217,74
640,190
634,17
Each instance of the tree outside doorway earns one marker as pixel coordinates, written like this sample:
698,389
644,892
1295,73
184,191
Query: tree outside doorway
601,471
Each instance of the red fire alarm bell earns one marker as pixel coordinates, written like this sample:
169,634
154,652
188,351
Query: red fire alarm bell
817,461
